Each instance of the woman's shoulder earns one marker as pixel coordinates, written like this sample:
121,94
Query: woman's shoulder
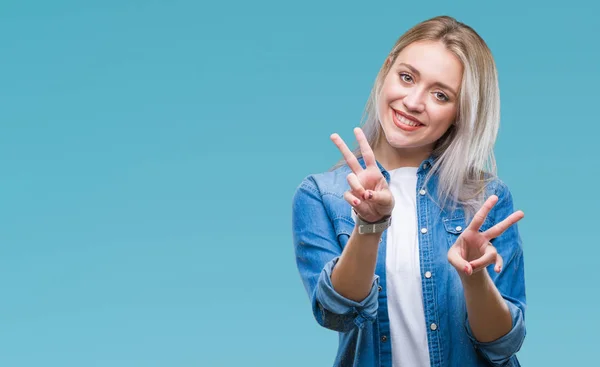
495,186
332,181
505,205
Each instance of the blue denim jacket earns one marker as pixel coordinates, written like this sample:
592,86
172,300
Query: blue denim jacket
322,225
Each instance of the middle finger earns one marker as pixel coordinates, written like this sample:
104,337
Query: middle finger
365,148
482,213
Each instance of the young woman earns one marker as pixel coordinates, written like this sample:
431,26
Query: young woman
409,247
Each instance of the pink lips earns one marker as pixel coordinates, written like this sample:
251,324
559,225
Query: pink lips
404,126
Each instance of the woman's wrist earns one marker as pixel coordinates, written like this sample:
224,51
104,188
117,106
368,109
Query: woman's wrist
475,281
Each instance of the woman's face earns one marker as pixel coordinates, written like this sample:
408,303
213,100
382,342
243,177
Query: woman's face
419,97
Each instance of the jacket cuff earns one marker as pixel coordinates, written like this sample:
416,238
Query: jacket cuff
499,351
332,301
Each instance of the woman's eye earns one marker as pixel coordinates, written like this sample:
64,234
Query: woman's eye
441,96
406,78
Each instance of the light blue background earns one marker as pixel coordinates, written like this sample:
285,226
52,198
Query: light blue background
149,151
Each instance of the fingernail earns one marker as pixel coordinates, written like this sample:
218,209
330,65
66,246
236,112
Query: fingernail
467,270
356,202
370,194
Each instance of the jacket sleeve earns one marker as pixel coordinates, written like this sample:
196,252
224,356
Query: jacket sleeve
510,283
317,250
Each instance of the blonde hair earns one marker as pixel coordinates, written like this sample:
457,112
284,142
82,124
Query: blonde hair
465,160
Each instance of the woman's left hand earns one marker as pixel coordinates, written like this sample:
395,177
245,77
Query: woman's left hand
473,251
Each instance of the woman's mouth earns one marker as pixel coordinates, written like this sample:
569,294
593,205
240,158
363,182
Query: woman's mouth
404,123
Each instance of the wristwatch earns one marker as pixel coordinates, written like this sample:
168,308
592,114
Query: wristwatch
372,227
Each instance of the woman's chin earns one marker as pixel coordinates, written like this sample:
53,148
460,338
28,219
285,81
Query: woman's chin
398,141
404,143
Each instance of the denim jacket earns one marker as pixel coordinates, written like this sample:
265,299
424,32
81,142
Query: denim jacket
322,224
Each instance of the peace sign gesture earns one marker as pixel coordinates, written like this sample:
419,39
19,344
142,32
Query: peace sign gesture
369,193
473,251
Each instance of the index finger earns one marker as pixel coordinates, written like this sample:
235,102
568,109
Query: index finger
365,148
348,155
482,213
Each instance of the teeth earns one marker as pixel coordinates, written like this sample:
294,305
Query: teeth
406,121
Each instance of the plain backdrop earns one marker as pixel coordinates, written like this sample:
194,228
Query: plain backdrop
149,151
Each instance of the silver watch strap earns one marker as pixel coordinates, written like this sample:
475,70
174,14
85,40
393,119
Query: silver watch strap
365,227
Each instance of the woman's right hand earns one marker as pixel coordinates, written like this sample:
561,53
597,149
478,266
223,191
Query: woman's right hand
369,193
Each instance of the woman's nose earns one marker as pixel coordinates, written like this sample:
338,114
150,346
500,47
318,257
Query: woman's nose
414,101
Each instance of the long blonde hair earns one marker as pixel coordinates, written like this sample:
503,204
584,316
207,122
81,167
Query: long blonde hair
465,160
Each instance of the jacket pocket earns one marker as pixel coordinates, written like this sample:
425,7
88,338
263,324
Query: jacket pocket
455,226
343,229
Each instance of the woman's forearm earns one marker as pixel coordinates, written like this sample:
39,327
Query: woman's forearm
352,276
488,313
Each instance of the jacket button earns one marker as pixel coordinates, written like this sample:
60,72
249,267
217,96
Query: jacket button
384,338
427,274
422,192
433,327
423,230
380,288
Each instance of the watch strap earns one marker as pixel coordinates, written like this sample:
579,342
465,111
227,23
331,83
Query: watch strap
365,227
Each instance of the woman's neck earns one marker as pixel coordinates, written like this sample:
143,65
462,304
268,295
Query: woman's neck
391,158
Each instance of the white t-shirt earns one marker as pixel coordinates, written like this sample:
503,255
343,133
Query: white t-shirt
408,330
